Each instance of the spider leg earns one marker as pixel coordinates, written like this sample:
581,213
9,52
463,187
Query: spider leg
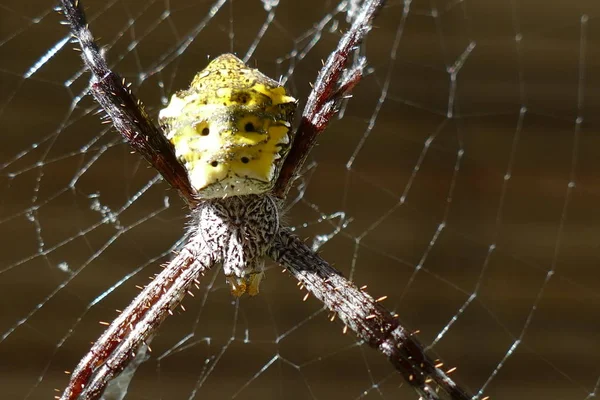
126,111
365,316
138,322
332,85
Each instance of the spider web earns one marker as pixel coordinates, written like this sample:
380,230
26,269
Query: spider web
461,181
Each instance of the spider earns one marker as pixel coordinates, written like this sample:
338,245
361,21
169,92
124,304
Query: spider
227,145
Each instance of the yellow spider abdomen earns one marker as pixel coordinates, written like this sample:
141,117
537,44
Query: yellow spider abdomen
231,129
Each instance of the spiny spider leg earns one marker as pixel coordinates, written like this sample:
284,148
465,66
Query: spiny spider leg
365,316
124,109
117,345
333,84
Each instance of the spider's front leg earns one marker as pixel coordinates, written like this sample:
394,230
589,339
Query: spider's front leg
366,317
138,322
235,231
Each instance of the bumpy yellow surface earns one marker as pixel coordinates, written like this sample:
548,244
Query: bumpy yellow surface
231,129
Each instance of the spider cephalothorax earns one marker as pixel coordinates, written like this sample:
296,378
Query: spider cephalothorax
238,230
231,129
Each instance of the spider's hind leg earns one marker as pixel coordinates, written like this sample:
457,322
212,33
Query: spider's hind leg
240,229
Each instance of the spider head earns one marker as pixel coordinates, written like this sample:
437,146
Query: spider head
231,129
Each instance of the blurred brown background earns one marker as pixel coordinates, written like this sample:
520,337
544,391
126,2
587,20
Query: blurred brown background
479,232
